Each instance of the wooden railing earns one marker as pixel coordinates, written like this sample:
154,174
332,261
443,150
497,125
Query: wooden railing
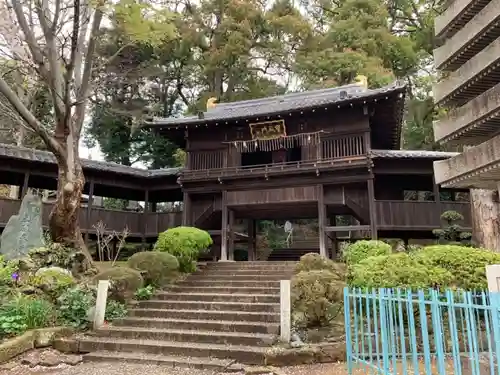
138,223
341,147
206,159
424,215
268,169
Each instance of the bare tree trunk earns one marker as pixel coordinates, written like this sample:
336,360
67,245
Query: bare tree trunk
64,220
485,219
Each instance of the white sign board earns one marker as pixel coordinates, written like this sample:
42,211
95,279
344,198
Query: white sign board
493,277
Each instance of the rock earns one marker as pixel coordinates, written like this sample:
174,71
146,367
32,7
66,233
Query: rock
258,370
49,358
234,367
67,345
308,354
45,337
18,345
23,231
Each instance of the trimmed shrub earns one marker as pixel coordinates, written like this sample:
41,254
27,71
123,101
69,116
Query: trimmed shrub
397,270
186,244
315,262
75,307
466,264
317,298
124,282
359,250
157,268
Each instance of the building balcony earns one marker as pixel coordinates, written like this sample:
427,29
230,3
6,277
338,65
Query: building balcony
139,224
456,15
475,35
473,78
473,123
477,167
265,170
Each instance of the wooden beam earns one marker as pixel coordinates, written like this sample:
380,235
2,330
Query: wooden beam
347,228
251,229
186,211
230,235
322,221
24,189
144,216
373,209
223,244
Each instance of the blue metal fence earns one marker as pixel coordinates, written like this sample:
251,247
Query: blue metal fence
393,331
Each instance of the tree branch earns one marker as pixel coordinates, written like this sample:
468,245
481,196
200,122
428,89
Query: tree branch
31,120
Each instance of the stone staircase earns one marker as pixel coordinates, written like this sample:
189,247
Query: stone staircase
223,315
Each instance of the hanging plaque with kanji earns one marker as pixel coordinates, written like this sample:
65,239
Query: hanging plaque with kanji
268,130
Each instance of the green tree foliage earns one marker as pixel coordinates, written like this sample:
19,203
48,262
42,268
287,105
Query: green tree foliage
236,50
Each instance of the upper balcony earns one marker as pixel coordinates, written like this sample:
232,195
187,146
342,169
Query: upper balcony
474,36
456,15
473,78
473,123
334,153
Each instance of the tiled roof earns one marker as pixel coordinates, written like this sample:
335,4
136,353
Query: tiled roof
412,154
29,154
282,103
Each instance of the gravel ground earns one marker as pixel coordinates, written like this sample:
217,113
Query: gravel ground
131,369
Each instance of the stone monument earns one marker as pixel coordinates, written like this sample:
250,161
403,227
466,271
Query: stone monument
23,231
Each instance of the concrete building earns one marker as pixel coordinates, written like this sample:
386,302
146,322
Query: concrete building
469,59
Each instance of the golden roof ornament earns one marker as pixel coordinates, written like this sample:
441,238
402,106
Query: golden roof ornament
362,81
211,103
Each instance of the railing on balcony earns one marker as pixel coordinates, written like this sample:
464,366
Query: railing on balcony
342,147
138,223
419,215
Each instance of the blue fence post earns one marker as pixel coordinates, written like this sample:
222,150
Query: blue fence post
348,336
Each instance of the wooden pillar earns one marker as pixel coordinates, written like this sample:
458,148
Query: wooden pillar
145,216
372,207
24,188
223,234
333,222
437,197
323,251
251,230
89,209
231,235
186,211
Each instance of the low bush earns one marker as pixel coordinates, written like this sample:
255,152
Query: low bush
74,307
359,250
316,262
124,282
115,310
186,244
145,293
8,277
317,298
397,270
23,313
466,264
157,268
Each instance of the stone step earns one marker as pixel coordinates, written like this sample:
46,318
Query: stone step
242,354
230,282
280,275
159,360
178,335
237,277
224,289
242,316
218,297
261,263
205,325
210,306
